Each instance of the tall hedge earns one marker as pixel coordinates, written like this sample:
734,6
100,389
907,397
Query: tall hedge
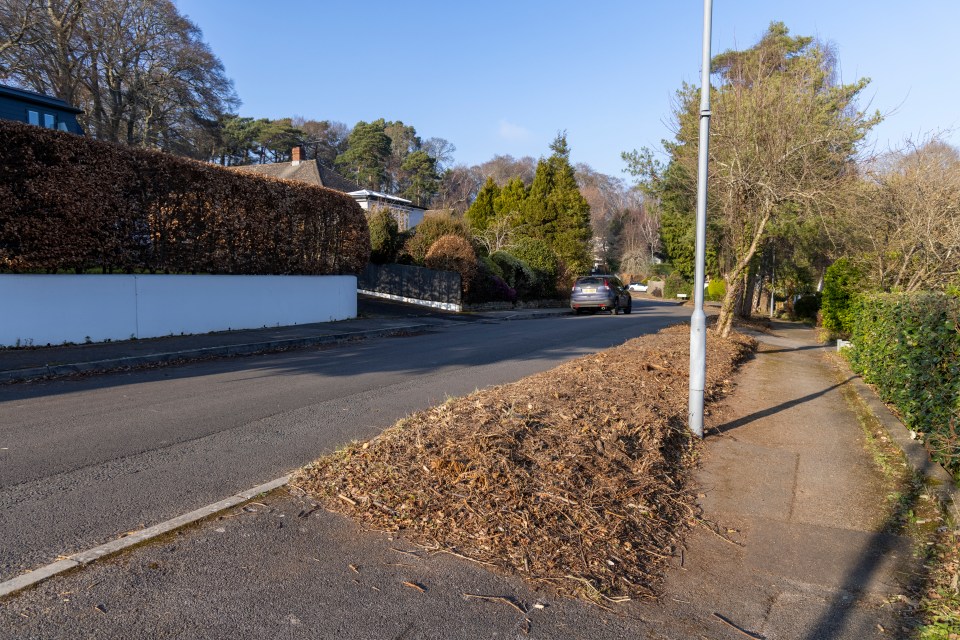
841,283
76,204
908,346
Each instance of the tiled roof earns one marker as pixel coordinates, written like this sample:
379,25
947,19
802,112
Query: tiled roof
334,180
308,171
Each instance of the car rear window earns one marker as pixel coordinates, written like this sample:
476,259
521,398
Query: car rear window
590,282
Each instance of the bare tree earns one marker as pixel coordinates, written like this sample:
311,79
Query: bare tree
906,219
17,29
783,140
499,234
138,68
503,168
440,150
458,188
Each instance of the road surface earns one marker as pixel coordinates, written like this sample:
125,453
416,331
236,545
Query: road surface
84,460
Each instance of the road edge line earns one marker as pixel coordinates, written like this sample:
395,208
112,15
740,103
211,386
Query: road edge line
83,558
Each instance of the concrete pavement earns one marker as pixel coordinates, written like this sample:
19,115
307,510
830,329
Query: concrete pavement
801,550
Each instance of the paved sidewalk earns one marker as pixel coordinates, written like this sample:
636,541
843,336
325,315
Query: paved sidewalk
376,318
784,473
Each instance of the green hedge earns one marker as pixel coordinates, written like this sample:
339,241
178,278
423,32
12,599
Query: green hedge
908,346
69,203
841,283
675,284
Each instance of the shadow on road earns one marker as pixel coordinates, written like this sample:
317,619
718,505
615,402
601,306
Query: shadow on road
407,353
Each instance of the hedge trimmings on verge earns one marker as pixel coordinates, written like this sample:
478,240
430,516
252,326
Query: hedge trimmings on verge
578,477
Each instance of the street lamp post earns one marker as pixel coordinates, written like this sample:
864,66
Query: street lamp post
698,321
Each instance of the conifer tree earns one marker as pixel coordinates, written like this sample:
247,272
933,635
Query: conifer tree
511,199
365,160
557,212
481,213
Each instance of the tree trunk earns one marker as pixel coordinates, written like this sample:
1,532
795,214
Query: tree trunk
749,285
729,305
735,279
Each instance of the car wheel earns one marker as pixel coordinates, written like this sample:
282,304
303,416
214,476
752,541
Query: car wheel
629,307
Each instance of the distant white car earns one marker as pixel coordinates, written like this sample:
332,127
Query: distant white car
636,286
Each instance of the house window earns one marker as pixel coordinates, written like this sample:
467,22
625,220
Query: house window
33,117
62,126
49,121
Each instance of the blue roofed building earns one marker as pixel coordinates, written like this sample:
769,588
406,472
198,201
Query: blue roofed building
38,109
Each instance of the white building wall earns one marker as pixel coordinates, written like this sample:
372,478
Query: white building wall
53,309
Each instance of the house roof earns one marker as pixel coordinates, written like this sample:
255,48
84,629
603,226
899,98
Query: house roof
37,98
308,171
385,197
376,195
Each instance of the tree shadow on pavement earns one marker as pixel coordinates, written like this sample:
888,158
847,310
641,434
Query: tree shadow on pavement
809,347
783,406
832,622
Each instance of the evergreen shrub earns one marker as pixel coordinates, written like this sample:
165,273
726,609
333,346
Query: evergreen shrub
716,290
384,236
516,273
807,306
675,284
841,282
544,262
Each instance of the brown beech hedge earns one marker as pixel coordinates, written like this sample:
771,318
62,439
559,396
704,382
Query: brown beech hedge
68,203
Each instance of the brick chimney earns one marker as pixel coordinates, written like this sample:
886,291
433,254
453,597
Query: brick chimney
297,155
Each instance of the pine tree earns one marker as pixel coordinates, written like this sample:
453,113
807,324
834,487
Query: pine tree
420,172
365,160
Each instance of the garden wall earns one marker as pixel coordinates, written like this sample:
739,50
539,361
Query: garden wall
53,309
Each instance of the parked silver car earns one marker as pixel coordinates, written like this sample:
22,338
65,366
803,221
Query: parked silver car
600,293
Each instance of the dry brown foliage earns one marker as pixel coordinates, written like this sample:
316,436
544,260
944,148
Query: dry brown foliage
578,477
71,203
453,253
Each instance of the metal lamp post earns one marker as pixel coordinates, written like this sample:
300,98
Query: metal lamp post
698,321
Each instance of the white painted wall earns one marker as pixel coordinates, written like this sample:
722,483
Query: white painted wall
53,309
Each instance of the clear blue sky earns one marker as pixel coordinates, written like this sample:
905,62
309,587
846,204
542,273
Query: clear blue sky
502,77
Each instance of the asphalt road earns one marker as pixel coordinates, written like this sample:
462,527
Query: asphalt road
84,460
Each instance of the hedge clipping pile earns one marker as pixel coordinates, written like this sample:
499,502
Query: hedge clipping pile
578,477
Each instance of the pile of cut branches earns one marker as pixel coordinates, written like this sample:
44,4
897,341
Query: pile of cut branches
578,477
